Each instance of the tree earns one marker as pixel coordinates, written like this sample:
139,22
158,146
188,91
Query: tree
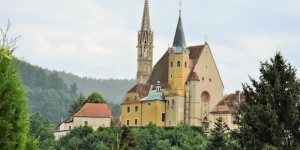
13,115
95,98
74,88
220,138
77,104
41,129
269,115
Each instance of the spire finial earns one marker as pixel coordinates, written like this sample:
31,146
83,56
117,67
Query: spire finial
180,7
146,17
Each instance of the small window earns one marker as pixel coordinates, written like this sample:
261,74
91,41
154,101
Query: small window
168,103
202,78
209,79
185,64
128,109
163,117
127,99
70,127
149,104
136,108
171,76
135,121
178,63
171,63
127,122
135,98
86,123
173,102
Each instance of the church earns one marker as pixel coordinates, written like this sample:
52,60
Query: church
182,87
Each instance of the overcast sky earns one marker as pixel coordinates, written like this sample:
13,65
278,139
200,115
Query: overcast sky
98,38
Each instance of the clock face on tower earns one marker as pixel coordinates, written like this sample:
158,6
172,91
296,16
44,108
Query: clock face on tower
186,51
171,51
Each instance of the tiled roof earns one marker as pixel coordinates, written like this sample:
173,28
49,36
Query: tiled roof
194,76
160,71
94,110
230,102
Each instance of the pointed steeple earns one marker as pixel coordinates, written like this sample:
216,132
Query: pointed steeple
146,18
179,40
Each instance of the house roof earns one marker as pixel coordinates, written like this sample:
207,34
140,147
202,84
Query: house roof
94,110
160,72
230,102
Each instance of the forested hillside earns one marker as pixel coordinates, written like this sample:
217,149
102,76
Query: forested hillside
111,89
47,93
52,93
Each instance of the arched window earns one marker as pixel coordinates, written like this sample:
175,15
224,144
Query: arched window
178,63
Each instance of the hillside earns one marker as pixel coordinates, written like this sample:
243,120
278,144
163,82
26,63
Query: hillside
112,90
51,93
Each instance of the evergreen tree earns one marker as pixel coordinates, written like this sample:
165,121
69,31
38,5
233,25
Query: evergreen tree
220,139
270,116
13,115
77,104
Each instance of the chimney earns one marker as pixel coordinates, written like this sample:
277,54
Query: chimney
238,96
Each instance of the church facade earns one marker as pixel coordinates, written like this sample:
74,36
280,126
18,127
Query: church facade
182,87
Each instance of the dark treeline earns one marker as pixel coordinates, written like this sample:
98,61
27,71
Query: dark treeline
50,95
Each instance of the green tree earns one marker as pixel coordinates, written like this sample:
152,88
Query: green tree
74,88
77,104
41,129
270,116
220,138
13,104
95,98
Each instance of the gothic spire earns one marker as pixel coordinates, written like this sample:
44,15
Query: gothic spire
146,17
179,40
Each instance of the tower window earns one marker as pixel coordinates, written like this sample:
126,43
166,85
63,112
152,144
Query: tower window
185,64
135,121
128,109
127,122
202,78
171,64
178,63
136,108
209,79
163,117
135,98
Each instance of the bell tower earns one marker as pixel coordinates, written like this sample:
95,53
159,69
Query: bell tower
145,48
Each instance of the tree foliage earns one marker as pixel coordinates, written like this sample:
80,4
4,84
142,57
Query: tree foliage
13,104
270,116
220,137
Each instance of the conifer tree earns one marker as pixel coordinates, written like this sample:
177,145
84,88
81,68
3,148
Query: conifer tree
269,115
13,115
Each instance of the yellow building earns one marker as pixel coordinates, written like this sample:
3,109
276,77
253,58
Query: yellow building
183,86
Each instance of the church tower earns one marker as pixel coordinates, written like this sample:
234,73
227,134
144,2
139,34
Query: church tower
145,48
178,73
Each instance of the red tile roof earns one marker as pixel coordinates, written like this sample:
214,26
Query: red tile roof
94,110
